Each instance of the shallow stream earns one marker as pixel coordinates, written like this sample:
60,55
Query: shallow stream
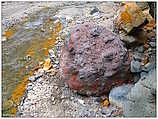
27,44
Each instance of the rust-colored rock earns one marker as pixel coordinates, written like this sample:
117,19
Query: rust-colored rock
93,60
130,16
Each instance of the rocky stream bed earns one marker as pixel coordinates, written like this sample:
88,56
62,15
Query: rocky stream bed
31,52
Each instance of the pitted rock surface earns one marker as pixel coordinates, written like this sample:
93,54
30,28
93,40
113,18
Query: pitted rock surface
93,60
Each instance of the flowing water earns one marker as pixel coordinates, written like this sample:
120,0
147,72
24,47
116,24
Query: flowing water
27,44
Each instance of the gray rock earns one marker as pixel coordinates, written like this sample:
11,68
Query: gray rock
118,95
135,66
141,99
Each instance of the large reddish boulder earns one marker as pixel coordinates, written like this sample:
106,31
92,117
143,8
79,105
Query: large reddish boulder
93,60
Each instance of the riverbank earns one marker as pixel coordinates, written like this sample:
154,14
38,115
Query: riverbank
44,93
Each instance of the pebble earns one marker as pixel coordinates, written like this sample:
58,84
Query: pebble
55,66
28,58
56,62
53,102
32,78
81,101
53,99
106,111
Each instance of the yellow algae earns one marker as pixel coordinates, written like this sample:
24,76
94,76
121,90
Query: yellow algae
10,103
16,96
19,91
130,16
58,26
13,110
8,33
33,47
106,102
46,44
47,64
125,17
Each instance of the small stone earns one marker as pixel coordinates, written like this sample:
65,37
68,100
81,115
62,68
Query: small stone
43,30
54,66
28,58
54,102
56,62
52,71
41,71
53,99
62,97
81,101
32,78
51,54
72,98
106,111
47,64
41,63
